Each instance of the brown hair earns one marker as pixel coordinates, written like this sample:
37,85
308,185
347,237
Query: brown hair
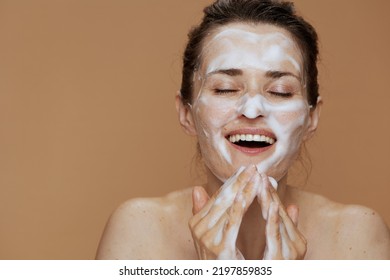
278,13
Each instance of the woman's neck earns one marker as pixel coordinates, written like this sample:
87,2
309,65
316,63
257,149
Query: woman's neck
251,237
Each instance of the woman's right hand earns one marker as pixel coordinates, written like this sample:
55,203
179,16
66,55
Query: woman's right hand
216,220
283,238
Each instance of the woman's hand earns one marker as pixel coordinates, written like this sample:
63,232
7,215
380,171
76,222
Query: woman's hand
217,220
283,239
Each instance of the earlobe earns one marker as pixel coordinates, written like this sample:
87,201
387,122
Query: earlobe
185,116
314,119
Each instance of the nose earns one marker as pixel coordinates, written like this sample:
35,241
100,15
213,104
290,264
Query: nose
252,106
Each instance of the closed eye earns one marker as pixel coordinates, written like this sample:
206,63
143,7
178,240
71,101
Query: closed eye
225,91
281,94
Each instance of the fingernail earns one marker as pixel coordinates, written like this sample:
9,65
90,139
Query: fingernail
274,183
239,170
196,194
252,168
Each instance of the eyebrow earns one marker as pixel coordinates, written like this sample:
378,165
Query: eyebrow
231,72
269,74
280,74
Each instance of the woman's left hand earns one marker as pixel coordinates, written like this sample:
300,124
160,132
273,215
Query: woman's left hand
283,238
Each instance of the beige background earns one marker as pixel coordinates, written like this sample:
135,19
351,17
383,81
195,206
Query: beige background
87,116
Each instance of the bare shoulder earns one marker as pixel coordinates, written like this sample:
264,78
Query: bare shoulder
344,231
364,233
141,228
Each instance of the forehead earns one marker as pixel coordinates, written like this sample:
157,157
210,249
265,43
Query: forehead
239,45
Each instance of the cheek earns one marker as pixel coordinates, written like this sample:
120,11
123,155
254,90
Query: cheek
211,120
293,119
213,115
290,126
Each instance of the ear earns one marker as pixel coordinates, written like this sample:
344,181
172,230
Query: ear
185,116
314,119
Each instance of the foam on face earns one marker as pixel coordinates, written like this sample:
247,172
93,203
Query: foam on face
286,133
240,49
213,130
273,47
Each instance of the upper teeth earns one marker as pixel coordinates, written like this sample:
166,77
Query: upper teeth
251,137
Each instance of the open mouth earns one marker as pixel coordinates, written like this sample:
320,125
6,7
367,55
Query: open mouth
251,141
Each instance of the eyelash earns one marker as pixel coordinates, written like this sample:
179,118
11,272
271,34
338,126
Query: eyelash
281,94
225,91
276,93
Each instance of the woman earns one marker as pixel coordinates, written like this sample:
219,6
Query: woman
250,95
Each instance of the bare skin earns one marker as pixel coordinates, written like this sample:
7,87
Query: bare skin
217,220
157,228
240,215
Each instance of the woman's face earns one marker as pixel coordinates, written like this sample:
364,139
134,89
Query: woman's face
249,103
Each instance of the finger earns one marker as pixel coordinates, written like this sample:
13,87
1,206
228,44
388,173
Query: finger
226,229
243,200
290,220
212,238
226,197
232,216
250,190
235,214
275,197
288,250
268,186
220,239
273,182
289,223
232,186
294,241
293,213
240,205
199,199
292,249
264,197
239,255
273,238
295,235
228,184
231,229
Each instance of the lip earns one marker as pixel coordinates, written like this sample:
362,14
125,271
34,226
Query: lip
251,151
253,131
